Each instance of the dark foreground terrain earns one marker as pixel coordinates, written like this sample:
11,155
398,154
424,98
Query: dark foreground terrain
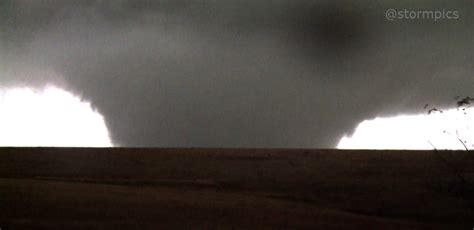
70,188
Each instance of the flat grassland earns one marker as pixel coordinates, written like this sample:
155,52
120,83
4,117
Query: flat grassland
133,188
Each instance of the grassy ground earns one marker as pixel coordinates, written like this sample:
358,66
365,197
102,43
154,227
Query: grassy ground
58,188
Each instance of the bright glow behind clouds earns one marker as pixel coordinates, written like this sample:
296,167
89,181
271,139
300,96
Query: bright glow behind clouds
414,132
49,117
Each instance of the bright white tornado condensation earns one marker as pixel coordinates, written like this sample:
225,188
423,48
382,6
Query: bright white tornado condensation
438,130
49,117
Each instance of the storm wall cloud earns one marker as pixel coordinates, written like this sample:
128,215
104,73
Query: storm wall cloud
238,73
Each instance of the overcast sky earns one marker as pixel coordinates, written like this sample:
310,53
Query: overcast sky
239,73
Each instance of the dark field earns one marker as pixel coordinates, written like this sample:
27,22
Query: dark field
71,188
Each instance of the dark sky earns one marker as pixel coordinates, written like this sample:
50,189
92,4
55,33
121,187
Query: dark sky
240,73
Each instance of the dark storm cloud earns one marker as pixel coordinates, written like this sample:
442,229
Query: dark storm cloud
238,73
